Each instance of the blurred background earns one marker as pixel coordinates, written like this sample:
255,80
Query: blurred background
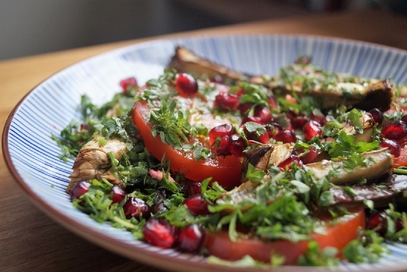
29,27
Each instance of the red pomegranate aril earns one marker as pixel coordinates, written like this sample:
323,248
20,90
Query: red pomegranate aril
135,207
79,190
118,194
309,155
285,136
272,129
193,188
311,130
263,113
227,101
298,122
223,148
394,130
186,85
378,222
237,145
191,238
159,233
287,164
196,205
321,119
377,115
244,108
128,83
394,147
220,131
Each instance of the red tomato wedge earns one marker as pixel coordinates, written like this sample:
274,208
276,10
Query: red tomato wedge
338,236
402,159
225,170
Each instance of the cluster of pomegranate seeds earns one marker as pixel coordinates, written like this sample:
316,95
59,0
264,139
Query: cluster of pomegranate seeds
159,233
225,140
128,83
191,238
378,222
186,85
79,190
135,207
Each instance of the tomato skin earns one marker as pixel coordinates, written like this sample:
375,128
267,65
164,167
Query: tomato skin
338,236
402,159
225,170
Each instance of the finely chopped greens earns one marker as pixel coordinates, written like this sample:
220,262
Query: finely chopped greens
143,190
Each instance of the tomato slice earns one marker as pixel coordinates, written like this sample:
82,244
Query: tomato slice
338,236
225,170
402,159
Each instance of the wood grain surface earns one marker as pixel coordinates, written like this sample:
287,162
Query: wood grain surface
29,240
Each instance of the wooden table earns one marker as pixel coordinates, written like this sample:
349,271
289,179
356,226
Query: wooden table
29,240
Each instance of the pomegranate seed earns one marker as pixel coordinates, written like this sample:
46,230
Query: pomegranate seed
285,136
186,85
240,92
321,119
244,108
377,115
193,188
79,190
227,101
298,122
287,164
272,129
223,148
263,113
238,145
311,129
220,131
378,222
394,130
128,83
404,118
191,238
118,194
196,205
159,233
135,207
394,147
310,155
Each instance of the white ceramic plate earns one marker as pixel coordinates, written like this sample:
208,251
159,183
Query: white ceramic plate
32,158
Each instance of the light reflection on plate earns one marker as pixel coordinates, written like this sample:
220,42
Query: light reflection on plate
32,156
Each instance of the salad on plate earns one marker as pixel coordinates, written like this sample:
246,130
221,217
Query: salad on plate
306,167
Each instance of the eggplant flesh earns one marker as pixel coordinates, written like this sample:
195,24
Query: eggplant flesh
376,164
93,162
388,191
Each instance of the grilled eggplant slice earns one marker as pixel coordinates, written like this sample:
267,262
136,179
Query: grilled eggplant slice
93,162
185,61
377,164
332,89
